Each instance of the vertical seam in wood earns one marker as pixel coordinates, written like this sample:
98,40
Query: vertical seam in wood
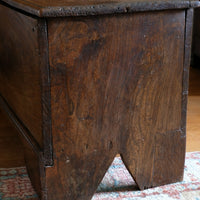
46,94
186,64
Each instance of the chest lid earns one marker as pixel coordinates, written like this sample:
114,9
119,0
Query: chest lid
61,8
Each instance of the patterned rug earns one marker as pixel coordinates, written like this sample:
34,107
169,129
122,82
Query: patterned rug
116,185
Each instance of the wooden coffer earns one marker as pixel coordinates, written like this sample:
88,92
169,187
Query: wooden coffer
84,81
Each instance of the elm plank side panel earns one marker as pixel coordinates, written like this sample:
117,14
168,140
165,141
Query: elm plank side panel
34,158
11,149
20,69
34,166
116,87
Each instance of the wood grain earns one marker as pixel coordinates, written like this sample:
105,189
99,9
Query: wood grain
33,155
116,88
11,149
19,72
58,8
187,53
35,168
95,87
45,91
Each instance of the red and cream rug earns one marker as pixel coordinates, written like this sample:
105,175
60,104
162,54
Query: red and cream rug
116,185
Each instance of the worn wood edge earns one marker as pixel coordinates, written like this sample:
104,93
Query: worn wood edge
23,131
26,10
46,91
112,8
45,86
186,64
187,57
40,171
194,4
101,9
26,138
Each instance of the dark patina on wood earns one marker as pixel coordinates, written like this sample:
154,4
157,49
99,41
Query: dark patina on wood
82,89
60,8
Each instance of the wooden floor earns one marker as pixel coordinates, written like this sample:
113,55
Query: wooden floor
193,114
11,152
